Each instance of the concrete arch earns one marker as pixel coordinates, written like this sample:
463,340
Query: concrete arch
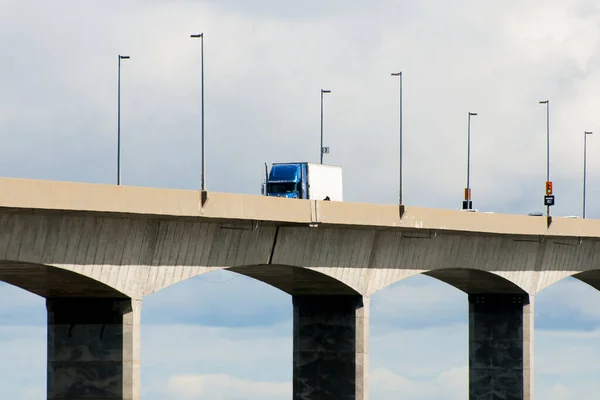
469,280
591,277
290,279
296,280
564,257
469,262
54,282
260,253
475,281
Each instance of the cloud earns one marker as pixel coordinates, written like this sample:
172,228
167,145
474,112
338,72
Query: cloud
559,392
425,353
418,302
221,386
186,349
565,305
570,357
18,307
221,363
386,385
415,364
218,298
23,372
450,385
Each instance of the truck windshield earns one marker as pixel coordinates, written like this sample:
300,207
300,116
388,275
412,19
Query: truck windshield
284,187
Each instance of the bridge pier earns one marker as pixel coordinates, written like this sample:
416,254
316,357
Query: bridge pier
500,347
330,347
93,349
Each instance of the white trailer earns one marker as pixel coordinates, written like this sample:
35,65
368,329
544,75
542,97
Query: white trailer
325,181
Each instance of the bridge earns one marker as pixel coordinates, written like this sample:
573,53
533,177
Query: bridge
95,251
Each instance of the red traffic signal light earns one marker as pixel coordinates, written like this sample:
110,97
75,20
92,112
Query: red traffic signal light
548,187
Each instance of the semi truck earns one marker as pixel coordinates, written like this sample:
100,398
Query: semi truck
303,180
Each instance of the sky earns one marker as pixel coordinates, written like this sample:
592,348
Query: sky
222,336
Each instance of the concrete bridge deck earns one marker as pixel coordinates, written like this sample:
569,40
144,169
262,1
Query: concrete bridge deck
94,251
69,196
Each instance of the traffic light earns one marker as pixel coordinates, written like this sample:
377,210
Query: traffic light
548,187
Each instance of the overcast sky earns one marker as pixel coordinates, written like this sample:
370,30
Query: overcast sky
265,63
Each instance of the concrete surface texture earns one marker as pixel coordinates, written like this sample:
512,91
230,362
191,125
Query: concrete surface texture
116,244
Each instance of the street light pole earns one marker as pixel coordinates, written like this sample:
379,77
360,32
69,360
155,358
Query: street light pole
469,204
399,74
585,134
119,119
203,176
322,148
547,103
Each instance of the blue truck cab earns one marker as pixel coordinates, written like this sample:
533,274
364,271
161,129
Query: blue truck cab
287,180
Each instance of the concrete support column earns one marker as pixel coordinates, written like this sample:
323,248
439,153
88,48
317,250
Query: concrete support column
331,348
500,347
93,349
